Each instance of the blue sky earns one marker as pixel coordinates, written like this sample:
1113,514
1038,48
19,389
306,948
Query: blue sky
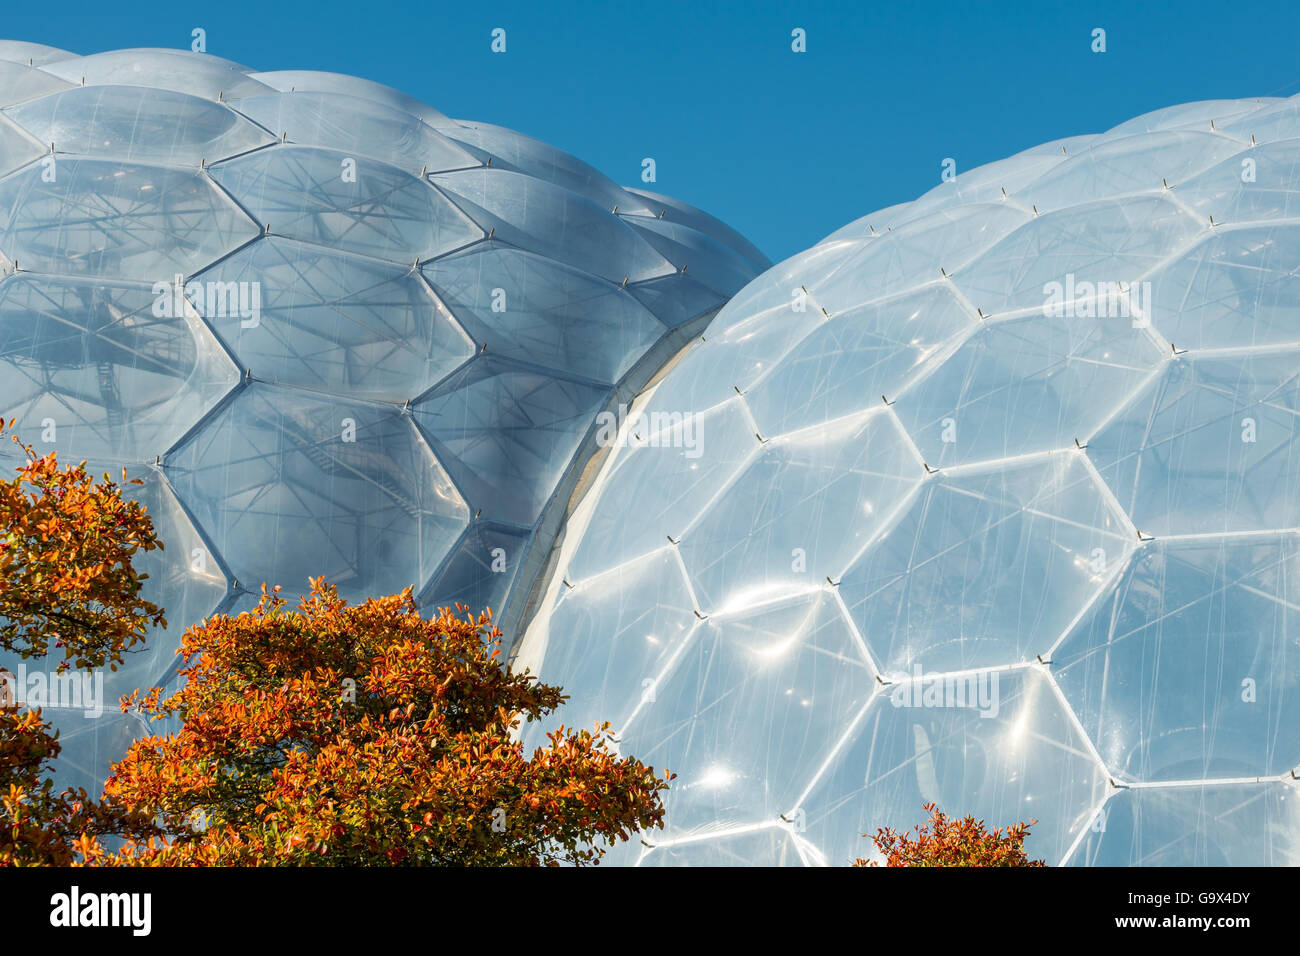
785,147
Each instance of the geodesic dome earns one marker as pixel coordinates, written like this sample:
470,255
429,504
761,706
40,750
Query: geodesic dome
989,499
333,331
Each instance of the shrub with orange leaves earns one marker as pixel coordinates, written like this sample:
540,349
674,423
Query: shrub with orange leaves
368,735
37,826
942,841
66,544
66,578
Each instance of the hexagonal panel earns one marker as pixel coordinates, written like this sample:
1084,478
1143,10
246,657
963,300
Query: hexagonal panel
21,51
21,82
1209,825
859,357
296,313
198,74
614,651
506,434
92,369
1256,186
377,210
667,479
357,127
1208,447
139,124
287,81
290,485
796,665
1107,241
1188,670
916,253
1003,751
1026,385
1129,164
538,216
1239,288
117,220
537,310
799,512
987,568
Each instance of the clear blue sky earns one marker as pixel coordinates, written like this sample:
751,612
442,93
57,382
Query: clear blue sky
785,147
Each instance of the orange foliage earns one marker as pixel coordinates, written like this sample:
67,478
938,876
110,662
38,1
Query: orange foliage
363,735
66,543
37,826
942,841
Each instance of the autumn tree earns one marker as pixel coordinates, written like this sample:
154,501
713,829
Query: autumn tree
364,734
42,827
66,583
66,576
943,841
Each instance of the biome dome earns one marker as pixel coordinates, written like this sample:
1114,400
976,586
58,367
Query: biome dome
333,331
989,499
